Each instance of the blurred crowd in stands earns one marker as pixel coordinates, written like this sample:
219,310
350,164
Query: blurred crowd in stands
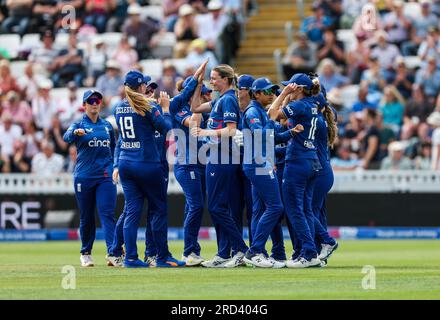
392,59
393,124
62,54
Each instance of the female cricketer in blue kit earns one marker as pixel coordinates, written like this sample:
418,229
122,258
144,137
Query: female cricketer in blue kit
259,162
140,170
95,142
221,168
325,138
302,164
188,170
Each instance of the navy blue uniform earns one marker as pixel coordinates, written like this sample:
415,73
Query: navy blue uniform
267,205
92,178
324,183
219,177
141,173
300,174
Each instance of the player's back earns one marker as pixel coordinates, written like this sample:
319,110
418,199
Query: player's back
137,134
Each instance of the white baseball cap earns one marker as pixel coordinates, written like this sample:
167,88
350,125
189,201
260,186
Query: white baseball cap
215,5
185,10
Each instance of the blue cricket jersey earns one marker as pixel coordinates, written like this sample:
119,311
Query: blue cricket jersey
264,132
224,110
95,148
302,145
187,145
137,133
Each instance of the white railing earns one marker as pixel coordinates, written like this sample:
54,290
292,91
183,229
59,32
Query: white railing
348,182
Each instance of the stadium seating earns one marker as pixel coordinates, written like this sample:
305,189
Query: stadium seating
347,37
152,67
350,94
10,43
17,68
166,43
155,12
30,41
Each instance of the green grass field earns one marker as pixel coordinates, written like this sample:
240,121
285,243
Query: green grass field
404,270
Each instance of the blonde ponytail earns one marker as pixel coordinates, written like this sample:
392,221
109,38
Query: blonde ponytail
332,129
138,101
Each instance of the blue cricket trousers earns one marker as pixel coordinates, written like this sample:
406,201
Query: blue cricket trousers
91,194
295,245
267,210
150,248
324,182
140,180
299,183
240,198
219,178
192,180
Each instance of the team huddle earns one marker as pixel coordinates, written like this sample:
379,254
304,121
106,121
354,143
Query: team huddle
242,143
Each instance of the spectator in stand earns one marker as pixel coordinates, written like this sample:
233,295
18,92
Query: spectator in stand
10,133
362,103
367,23
345,159
71,159
374,78
110,82
7,81
300,57
69,64
423,158
331,48
429,79
47,163
211,25
434,121
430,47
396,159
420,27
186,30
56,134
46,54
333,9
97,12
20,12
19,109
32,139
416,112
385,52
369,141
357,59
118,14
96,60
43,106
77,5
198,54
45,12
169,79
315,25
396,24
125,56
170,12
28,82
70,108
19,163
329,77
143,31
392,108
351,10
335,100
401,78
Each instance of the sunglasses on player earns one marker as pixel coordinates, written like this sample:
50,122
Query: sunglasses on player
93,101
268,92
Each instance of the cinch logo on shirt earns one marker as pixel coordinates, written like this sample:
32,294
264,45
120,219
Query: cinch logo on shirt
229,114
95,143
